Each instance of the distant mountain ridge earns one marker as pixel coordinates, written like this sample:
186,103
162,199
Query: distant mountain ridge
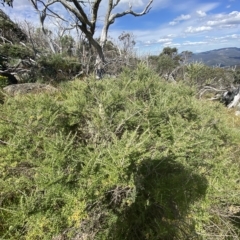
222,57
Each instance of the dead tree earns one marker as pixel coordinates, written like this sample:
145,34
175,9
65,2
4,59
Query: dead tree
87,22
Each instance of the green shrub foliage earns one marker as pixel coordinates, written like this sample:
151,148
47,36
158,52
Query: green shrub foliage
200,75
16,51
3,81
133,158
9,29
57,68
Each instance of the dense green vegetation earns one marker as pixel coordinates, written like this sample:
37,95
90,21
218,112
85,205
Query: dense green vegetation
130,158
134,157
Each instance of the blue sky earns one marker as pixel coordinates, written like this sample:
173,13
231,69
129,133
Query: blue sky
193,25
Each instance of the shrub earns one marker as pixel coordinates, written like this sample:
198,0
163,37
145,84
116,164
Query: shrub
16,51
3,81
236,76
134,158
57,68
200,75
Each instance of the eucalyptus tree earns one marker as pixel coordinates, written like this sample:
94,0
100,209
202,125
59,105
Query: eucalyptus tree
86,15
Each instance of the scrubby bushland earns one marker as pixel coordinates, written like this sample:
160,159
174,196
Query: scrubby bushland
134,158
237,76
34,55
16,51
209,82
176,67
56,68
200,75
166,61
3,82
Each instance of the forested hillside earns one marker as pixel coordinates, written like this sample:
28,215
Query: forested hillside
224,57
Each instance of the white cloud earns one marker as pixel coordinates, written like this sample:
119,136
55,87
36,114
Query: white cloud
235,36
206,7
173,23
171,44
175,44
232,18
201,13
197,29
183,17
193,5
231,36
167,44
164,40
187,43
180,18
171,35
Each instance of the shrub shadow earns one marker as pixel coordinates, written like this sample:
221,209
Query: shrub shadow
164,191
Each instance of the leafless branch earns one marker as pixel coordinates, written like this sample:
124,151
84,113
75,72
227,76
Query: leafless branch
116,3
79,13
130,11
46,7
4,39
209,88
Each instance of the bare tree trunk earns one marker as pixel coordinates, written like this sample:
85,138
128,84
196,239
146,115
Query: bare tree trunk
100,60
86,22
50,43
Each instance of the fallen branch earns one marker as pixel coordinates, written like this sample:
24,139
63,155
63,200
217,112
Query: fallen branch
209,88
4,39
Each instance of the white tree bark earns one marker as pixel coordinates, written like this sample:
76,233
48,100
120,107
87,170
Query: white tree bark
110,18
235,101
87,23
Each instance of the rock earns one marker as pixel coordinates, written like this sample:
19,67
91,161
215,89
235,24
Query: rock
25,88
11,78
